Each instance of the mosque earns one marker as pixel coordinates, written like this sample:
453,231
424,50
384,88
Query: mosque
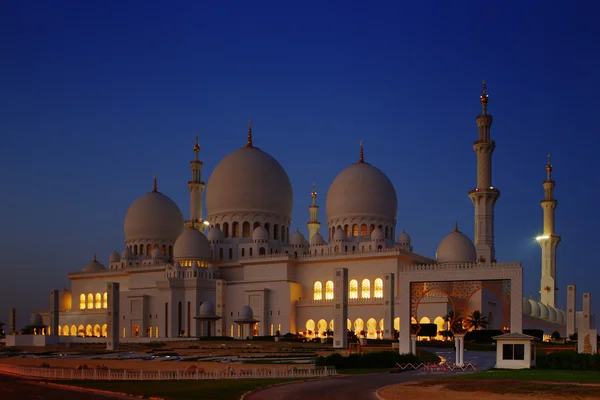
239,271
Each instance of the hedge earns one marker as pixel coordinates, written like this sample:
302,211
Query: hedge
379,359
569,360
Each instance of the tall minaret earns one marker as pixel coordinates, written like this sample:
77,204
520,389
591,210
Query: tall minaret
484,196
196,187
313,223
549,242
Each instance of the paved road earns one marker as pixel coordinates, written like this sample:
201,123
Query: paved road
362,387
13,388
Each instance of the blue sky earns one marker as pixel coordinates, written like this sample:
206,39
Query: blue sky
97,96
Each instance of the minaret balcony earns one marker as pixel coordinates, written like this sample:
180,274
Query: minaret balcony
491,189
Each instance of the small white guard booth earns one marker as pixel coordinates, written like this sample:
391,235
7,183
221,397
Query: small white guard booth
515,351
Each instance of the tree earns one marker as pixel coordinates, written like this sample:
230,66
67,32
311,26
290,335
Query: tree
454,321
555,336
476,320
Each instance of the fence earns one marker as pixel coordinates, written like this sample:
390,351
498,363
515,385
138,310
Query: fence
147,375
436,367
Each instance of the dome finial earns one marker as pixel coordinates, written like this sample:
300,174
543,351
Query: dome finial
196,146
154,187
549,168
362,154
483,99
456,226
95,257
249,144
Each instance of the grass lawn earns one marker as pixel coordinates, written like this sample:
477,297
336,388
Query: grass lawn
549,375
227,389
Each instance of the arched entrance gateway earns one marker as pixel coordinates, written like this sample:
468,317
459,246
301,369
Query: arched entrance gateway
461,283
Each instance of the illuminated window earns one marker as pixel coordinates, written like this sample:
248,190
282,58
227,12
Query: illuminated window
104,330
329,290
82,302
378,288
318,291
363,230
366,289
235,227
90,301
355,230
347,229
246,229
231,330
65,330
156,332
105,300
97,330
98,300
353,290
73,330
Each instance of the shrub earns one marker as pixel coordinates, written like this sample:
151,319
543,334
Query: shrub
569,360
379,359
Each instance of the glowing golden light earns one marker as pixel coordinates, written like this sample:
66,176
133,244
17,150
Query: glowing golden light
542,237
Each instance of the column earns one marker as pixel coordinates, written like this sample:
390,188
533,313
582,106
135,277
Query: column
54,305
12,321
413,344
340,308
112,316
220,299
404,314
388,304
516,302
571,309
586,315
457,350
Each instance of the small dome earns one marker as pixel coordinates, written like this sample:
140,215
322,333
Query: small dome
297,239
153,216
535,308
552,314
260,233
191,245
207,308
246,313
94,266
114,257
339,234
526,306
561,317
36,320
377,234
156,253
215,234
456,248
544,311
317,239
126,253
404,239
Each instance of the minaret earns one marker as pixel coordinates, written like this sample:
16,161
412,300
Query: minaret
484,196
196,187
313,223
548,242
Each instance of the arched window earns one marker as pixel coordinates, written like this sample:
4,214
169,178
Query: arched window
73,330
250,251
235,229
261,251
387,232
256,225
82,302
246,229
65,330
90,301
329,290
89,332
104,330
378,288
363,230
230,254
221,254
105,300
276,232
347,229
149,249
336,249
170,251
226,229
355,230
268,228
371,229
98,303
353,289
318,291
365,289
135,250
163,250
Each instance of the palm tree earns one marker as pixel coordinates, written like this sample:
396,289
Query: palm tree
476,320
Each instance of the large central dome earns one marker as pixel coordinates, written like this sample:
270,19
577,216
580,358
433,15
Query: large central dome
249,180
153,216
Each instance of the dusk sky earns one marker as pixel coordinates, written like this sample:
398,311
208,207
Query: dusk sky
95,97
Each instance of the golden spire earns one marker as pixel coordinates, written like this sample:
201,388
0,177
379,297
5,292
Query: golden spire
154,188
362,154
456,226
249,144
549,168
314,191
483,99
196,146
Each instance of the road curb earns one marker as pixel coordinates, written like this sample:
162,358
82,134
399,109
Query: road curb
380,397
258,389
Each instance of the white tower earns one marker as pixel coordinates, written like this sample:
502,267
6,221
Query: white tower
484,196
313,223
196,187
548,242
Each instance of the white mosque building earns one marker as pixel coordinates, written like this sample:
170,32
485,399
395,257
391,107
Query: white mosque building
239,271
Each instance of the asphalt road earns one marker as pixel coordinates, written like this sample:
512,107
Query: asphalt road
362,387
13,388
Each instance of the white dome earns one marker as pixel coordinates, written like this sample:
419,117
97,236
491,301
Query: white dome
260,233
191,245
297,239
114,257
561,316
544,312
535,308
526,306
377,234
156,253
246,313
126,253
361,190
153,216
36,320
207,308
552,314
317,239
456,248
339,234
93,266
249,180
215,234
404,239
